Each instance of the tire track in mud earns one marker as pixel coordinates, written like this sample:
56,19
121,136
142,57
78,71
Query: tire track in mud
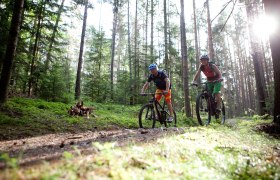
31,151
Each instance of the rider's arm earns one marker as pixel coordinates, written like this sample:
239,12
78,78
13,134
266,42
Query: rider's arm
197,74
146,85
167,84
216,69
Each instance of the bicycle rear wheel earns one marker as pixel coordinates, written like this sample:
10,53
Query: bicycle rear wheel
203,109
147,116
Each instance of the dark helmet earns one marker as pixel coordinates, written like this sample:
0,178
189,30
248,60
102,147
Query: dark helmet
152,66
204,57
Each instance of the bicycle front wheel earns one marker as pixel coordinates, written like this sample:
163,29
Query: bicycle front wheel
147,116
223,113
174,122
203,109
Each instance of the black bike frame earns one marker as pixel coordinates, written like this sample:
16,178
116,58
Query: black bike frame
211,98
159,108
211,104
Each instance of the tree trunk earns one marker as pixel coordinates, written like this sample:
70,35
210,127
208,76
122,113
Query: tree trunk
267,73
152,32
166,58
129,55
237,87
255,47
80,62
136,53
35,49
229,80
185,61
115,22
146,38
272,8
196,38
11,50
249,86
170,61
135,41
210,37
240,70
49,52
270,64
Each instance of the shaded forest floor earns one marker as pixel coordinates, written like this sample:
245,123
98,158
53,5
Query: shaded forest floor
52,145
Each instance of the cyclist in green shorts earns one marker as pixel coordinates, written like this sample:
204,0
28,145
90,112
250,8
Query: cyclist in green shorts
214,78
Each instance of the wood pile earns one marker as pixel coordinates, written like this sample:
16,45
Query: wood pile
80,110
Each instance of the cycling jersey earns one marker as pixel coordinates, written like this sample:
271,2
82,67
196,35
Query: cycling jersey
159,80
209,72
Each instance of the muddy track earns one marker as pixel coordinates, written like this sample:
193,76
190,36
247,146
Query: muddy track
30,151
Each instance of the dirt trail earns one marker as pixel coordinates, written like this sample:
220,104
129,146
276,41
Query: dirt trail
51,147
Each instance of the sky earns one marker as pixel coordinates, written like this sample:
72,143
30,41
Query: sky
101,15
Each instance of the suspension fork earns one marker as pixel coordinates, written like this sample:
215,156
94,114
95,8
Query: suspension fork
213,104
156,108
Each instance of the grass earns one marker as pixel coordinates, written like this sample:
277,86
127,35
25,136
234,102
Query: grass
214,152
232,151
23,117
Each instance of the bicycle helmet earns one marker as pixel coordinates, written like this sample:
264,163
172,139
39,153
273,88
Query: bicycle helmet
152,66
204,57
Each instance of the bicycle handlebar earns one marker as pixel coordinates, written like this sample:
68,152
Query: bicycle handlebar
197,84
146,94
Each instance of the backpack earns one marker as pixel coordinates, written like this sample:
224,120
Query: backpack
211,66
165,72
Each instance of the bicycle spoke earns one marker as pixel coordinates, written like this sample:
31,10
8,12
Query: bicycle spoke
147,117
223,113
203,109
174,122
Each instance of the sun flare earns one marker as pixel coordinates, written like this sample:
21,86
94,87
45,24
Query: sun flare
265,26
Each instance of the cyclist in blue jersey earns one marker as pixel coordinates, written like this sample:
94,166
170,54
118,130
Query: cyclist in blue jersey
163,85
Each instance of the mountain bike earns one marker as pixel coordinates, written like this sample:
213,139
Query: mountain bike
206,106
154,112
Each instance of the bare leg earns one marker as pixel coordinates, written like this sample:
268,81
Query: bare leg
218,100
170,108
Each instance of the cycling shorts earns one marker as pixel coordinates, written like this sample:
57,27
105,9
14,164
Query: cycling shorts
214,87
167,95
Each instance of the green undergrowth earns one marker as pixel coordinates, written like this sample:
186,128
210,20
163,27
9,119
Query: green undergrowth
214,152
24,117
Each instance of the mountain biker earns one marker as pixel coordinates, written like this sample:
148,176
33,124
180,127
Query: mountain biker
214,78
163,85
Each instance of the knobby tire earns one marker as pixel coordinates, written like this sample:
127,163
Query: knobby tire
203,110
147,117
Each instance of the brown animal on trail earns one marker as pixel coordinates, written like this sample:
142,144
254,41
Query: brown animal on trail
80,110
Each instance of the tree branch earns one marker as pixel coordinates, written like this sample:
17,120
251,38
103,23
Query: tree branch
229,15
221,10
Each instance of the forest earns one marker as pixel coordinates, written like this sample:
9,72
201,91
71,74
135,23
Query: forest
57,53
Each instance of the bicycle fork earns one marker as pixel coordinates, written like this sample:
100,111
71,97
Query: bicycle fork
157,113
